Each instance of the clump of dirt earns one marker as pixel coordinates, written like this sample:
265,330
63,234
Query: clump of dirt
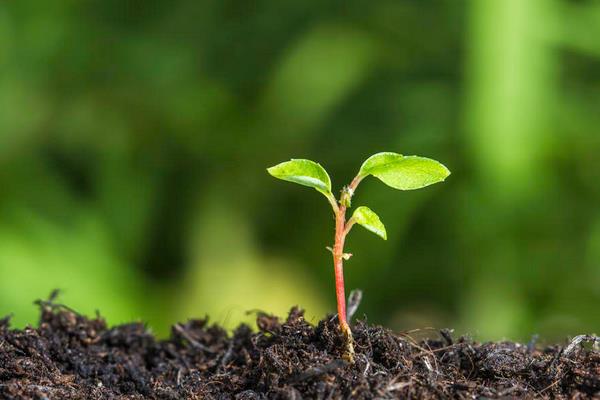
72,357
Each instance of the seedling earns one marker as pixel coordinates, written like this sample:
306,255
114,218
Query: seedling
395,170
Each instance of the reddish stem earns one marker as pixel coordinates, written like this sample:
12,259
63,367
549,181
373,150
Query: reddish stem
352,186
338,263
341,230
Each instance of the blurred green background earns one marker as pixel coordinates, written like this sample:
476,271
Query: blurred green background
134,138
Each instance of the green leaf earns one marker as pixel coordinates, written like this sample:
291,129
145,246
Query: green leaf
303,172
378,160
404,172
368,219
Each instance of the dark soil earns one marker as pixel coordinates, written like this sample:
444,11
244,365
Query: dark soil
72,357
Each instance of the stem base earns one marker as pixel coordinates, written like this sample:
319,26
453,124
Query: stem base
348,343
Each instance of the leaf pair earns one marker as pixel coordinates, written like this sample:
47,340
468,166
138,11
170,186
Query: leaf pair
395,170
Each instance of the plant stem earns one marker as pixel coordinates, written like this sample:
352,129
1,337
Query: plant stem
338,264
341,230
333,202
353,185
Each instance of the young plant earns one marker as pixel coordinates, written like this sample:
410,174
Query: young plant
395,170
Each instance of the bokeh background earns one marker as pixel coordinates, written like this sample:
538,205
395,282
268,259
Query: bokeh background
134,137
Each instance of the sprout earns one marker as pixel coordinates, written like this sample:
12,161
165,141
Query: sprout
395,170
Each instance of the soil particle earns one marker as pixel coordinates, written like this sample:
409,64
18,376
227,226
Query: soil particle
70,356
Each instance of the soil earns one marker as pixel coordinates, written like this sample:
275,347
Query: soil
70,356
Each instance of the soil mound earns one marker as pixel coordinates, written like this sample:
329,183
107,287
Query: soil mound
70,356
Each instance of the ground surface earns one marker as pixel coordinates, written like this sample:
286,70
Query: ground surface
72,357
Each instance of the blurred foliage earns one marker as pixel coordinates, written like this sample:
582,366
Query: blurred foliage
134,138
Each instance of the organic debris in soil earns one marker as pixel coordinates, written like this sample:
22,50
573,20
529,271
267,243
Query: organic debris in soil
72,357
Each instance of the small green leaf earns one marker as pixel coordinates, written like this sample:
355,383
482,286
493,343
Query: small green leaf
404,172
367,218
303,172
